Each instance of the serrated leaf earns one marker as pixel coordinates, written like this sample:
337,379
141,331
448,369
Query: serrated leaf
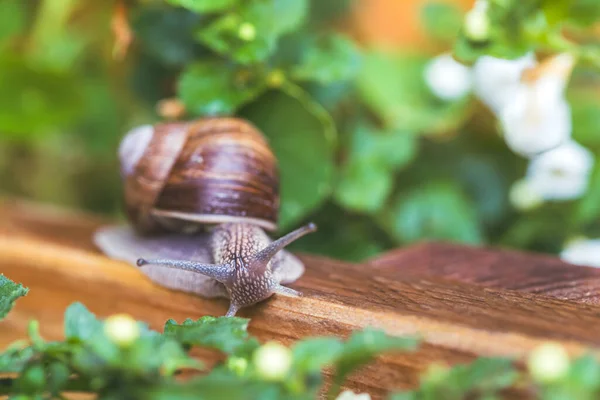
249,35
313,354
434,211
303,145
217,88
80,323
363,346
204,6
9,292
330,59
221,333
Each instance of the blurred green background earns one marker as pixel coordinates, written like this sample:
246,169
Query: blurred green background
366,150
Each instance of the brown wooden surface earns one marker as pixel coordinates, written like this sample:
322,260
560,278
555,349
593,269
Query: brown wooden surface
463,301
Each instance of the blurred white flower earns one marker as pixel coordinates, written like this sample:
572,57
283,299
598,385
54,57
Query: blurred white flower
548,362
538,117
272,361
477,22
350,395
562,173
582,251
447,78
523,196
495,79
121,329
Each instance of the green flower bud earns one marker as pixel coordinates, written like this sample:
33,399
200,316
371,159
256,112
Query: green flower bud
272,361
548,362
121,329
247,32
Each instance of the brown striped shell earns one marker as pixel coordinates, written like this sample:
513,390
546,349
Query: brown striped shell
207,171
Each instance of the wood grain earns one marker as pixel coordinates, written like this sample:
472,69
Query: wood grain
462,301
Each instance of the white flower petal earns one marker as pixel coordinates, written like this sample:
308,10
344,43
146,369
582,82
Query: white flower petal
447,78
495,79
584,252
562,173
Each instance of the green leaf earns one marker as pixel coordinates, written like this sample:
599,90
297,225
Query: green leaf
585,106
434,211
394,88
16,357
302,138
9,293
216,87
250,34
587,209
221,333
442,20
313,354
12,18
364,345
583,12
204,6
331,59
363,186
80,323
35,100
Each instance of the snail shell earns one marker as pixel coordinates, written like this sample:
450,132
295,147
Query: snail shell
208,171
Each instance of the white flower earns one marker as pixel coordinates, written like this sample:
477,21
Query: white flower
121,329
495,79
272,361
350,395
477,22
538,117
523,196
447,78
582,251
548,362
562,173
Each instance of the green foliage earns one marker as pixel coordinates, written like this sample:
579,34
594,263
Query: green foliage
9,292
361,139
122,358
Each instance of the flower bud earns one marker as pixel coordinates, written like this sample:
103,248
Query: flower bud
447,78
121,329
524,197
477,23
247,31
273,361
350,395
238,365
548,362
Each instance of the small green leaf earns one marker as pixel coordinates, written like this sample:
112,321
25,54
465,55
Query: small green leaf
363,186
204,6
216,87
393,86
249,35
16,357
331,59
364,345
437,211
9,293
313,354
12,18
222,333
301,138
441,20
80,323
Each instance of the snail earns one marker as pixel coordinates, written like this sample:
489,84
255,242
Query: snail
199,196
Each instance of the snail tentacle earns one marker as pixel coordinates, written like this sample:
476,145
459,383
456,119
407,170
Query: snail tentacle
219,272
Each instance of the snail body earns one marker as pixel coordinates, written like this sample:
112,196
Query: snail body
199,196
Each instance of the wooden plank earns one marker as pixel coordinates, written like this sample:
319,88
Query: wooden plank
506,269
409,291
